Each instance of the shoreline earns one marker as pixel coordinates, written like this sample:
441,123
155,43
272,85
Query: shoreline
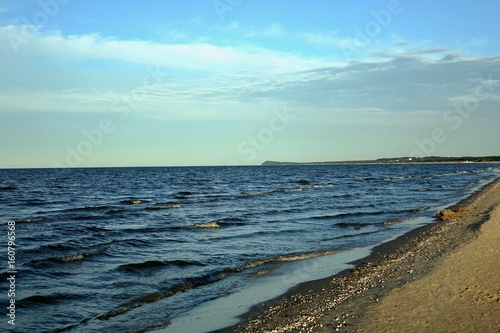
337,303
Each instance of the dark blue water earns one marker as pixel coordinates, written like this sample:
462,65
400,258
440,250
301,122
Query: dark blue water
126,249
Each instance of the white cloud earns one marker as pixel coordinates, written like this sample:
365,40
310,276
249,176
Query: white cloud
238,30
208,80
203,57
273,31
334,40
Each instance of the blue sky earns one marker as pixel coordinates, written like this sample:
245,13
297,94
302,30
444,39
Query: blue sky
233,82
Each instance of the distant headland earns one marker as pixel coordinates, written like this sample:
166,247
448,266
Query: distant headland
401,160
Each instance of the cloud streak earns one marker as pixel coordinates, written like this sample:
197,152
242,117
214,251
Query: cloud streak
396,80
196,56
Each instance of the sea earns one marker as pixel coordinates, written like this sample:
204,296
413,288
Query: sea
135,249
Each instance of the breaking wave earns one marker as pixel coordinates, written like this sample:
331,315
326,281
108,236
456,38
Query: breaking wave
195,282
206,225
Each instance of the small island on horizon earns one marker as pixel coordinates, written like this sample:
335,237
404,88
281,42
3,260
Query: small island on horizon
400,160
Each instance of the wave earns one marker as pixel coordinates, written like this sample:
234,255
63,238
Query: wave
86,208
183,194
156,264
386,179
57,247
282,259
97,229
131,202
115,211
342,195
74,257
137,242
354,225
82,256
87,217
369,213
147,265
181,200
291,190
195,282
224,222
32,220
366,179
206,225
323,186
304,185
231,221
359,234
40,300
35,202
456,173
184,286
161,207
334,216
255,192
8,188
394,221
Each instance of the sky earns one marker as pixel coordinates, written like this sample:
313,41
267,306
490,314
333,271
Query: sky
238,82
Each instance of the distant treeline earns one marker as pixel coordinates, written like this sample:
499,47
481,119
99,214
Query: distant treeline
428,159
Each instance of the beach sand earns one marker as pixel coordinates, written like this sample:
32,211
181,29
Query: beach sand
444,277
462,294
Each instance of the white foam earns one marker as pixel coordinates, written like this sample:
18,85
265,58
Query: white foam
224,311
207,225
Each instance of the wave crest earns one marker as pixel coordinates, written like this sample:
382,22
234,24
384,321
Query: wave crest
206,225
161,207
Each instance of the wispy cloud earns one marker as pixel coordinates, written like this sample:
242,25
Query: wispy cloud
333,39
187,56
407,77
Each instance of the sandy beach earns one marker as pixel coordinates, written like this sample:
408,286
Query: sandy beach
442,277
462,294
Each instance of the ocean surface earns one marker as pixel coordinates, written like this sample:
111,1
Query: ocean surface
131,249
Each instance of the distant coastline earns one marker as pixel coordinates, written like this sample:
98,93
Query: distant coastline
400,160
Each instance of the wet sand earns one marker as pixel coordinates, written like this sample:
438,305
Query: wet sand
443,277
